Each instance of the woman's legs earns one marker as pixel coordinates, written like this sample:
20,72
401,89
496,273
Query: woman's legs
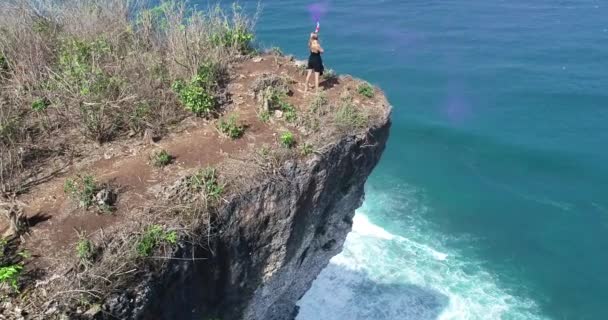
307,79
317,74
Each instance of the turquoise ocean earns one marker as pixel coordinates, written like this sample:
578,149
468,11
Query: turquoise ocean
491,200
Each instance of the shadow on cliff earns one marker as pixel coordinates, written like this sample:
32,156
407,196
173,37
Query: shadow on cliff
340,293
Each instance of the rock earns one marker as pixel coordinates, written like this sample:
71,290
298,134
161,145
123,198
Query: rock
93,311
257,59
270,241
105,197
278,114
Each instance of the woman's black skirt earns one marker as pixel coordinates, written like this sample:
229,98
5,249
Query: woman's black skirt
315,62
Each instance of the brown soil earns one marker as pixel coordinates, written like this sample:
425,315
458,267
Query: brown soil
55,220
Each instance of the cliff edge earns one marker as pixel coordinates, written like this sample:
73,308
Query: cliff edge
161,168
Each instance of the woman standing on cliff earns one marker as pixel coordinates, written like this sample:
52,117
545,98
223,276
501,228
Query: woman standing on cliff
315,63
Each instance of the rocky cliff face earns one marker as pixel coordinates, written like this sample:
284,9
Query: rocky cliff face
274,241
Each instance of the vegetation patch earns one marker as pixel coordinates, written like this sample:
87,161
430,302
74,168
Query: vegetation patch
85,250
9,274
287,139
231,128
207,180
40,104
348,117
289,111
154,236
161,158
307,149
86,192
330,75
366,90
197,95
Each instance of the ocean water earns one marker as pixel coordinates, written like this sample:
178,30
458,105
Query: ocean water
491,200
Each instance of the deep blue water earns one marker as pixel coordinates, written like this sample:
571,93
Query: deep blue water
491,201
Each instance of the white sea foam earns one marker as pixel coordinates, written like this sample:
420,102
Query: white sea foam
383,276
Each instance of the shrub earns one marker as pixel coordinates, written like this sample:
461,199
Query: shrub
40,104
207,180
287,139
276,51
307,149
9,274
84,250
140,116
161,158
366,90
319,104
3,64
349,117
231,128
82,189
264,116
98,122
236,33
154,236
289,111
197,95
330,75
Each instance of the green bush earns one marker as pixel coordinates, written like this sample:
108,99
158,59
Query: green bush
197,95
9,274
330,75
3,64
287,139
79,62
366,90
231,128
9,129
82,189
289,111
85,249
207,180
276,51
349,117
264,116
237,37
307,149
161,158
40,104
154,236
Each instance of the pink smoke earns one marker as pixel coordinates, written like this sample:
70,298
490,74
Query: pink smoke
318,10
456,107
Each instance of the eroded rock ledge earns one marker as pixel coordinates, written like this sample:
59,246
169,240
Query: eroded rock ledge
274,241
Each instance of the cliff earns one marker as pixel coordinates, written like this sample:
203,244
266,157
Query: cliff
275,239
155,165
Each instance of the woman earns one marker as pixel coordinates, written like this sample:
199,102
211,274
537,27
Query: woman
315,63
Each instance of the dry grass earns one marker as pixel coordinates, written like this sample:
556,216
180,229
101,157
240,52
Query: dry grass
101,69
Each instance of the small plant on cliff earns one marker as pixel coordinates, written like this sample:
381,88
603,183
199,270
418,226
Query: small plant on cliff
307,149
366,90
348,117
264,116
154,236
197,95
289,111
287,139
9,274
82,189
40,104
330,75
207,180
231,128
161,158
85,249
3,64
